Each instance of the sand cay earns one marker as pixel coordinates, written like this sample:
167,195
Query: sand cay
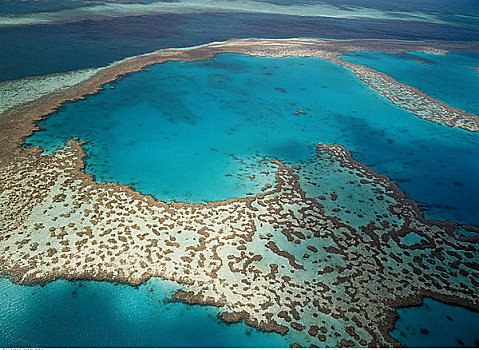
275,259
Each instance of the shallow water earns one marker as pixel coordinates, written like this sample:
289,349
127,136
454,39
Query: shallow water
139,134
100,314
435,324
450,78
196,131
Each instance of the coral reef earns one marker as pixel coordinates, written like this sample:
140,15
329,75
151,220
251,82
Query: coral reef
292,259
275,259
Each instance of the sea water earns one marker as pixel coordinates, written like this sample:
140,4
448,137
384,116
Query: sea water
436,324
53,48
67,313
442,8
101,314
449,78
34,6
196,131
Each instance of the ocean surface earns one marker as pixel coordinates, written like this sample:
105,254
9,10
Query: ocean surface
59,47
435,324
443,8
449,78
101,314
151,119
226,118
35,6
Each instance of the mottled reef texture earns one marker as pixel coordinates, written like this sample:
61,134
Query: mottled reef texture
283,260
275,259
413,99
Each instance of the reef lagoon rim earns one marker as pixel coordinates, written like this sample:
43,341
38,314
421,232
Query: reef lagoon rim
58,218
17,122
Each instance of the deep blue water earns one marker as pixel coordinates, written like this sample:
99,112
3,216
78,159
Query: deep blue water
100,314
44,49
33,6
443,7
451,78
436,7
155,126
435,324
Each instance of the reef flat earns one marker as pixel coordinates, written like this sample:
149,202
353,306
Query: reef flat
287,259
274,259
16,93
414,100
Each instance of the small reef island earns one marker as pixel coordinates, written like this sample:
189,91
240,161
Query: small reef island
321,250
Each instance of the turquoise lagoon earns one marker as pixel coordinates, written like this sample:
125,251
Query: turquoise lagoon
435,324
100,314
450,78
195,131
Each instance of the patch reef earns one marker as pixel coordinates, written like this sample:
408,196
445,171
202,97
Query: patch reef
276,259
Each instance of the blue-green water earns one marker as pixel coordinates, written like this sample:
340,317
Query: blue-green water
100,314
244,116
450,78
435,324
442,7
196,131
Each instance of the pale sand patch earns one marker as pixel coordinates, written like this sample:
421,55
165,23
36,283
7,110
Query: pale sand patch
15,93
